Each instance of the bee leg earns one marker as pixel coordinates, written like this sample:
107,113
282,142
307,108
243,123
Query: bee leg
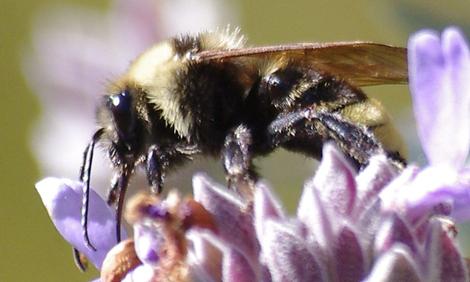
156,164
155,168
306,131
237,161
159,159
285,127
356,141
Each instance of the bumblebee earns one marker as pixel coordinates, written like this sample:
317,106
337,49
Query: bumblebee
209,94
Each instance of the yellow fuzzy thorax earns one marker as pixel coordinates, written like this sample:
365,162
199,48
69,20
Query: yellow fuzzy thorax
155,73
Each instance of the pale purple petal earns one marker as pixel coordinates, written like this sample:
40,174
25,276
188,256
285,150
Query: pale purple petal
266,206
288,256
197,274
418,192
316,218
370,182
211,259
394,230
461,198
335,176
63,201
369,222
439,72
236,268
444,259
349,256
205,256
433,186
148,242
142,273
395,265
396,191
232,216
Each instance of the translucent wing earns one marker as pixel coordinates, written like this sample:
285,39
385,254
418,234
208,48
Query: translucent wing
361,63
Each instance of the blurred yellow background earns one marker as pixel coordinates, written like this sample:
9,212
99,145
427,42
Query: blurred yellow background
30,247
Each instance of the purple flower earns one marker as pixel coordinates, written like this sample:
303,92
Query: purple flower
439,70
439,75
62,199
340,232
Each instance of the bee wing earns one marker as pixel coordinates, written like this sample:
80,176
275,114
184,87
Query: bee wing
361,63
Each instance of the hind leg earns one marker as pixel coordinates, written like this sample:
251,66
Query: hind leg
306,131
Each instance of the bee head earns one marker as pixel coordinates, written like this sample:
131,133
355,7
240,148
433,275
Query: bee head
120,117
142,104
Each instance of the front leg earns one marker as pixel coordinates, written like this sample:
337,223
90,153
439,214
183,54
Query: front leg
160,159
237,160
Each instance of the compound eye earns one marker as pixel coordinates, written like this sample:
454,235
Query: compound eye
120,102
124,118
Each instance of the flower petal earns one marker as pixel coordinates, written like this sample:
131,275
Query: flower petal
143,273
378,173
396,191
63,201
205,258
394,230
395,265
439,73
461,198
148,243
368,223
349,256
335,177
265,207
236,268
435,186
316,218
445,262
288,256
233,218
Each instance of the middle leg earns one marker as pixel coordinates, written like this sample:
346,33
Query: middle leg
237,160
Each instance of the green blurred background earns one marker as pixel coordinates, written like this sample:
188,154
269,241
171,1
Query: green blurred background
30,247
